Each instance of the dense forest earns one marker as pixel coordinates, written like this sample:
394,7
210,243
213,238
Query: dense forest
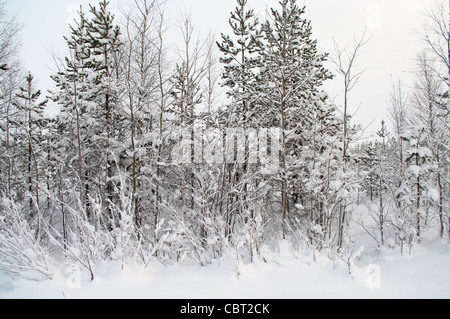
229,146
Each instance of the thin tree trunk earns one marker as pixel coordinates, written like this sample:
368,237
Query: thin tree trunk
345,119
441,204
284,164
108,174
161,132
418,202
381,219
162,106
138,220
80,155
8,146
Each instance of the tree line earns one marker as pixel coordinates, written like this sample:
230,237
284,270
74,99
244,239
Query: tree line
99,180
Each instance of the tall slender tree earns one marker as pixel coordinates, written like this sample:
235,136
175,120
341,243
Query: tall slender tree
73,96
241,66
104,42
417,193
31,123
139,67
294,71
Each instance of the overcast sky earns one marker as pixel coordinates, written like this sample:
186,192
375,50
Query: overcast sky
391,24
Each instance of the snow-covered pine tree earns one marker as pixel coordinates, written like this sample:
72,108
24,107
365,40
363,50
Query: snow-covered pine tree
241,64
73,95
31,125
104,42
383,182
417,194
369,163
241,67
294,72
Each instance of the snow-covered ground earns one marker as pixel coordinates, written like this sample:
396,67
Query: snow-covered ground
284,275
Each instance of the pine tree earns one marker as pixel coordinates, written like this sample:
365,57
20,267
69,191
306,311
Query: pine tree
294,71
370,164
31,125
89,95
241,63
241,67
383,182
73,96
104,42
417,194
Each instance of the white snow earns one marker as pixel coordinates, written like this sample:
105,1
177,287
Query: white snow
323,95
285,275
377,273
413,170
424,152
52,111
433,194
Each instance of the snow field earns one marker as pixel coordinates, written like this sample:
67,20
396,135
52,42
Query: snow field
283,275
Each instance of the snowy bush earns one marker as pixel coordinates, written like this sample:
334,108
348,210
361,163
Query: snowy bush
21,248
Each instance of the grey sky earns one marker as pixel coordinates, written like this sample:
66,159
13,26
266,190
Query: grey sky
391,24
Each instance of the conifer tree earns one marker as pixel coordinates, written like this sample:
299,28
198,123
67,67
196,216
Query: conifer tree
241,62
104,42
241,67
383,178
89,95
416,193
31,125
370,162
294,71
73,96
